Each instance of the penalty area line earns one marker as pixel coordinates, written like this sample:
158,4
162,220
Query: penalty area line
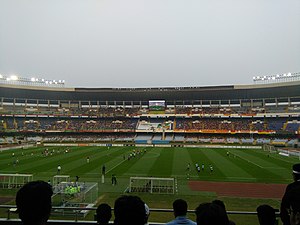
249,161
115,166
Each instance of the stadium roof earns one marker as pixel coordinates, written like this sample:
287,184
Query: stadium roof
257,91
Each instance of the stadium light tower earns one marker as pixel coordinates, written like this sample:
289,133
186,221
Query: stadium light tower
33,81
286,77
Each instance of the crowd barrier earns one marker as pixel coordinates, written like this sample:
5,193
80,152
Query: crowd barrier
76,220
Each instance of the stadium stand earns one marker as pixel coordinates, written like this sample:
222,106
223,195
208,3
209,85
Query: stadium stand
270,112
266,114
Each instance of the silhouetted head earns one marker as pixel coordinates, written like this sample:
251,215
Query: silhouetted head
296,171
211,214
266,215
103,213
33,202
220,203
129,210
180,207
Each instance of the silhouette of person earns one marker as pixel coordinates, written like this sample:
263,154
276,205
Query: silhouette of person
103,214
58,169
113,179
180,210
103,170
293,209
33,202
129,210
266,215
285,218
211,214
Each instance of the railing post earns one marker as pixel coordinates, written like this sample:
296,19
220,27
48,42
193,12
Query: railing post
8,214
76,215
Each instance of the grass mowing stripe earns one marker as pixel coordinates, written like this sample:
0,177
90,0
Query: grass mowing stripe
163,164
216,161
228,168
109,158
51,163
285,161
181,160
23,155
247,160
262,175
143,165
44,164
270,161
266,166
200,157
126,164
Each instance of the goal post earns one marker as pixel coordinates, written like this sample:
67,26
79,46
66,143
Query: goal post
57,179
14,180
74,194
157,185
269,148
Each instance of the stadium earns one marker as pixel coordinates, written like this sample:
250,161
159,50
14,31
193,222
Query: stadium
234,142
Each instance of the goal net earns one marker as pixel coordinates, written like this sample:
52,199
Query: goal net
14,180
75,192
152,185
269,148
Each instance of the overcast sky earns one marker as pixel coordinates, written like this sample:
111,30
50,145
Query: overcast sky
149,43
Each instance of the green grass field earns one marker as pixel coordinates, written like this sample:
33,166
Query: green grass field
243,165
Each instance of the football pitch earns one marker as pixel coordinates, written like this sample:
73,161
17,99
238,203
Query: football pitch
239,166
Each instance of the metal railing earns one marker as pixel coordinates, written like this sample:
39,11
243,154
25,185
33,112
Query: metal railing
11,209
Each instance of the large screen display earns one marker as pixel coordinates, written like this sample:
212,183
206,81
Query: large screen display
157,105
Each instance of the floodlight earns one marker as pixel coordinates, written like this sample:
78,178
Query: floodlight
272,78
14,77
30,81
